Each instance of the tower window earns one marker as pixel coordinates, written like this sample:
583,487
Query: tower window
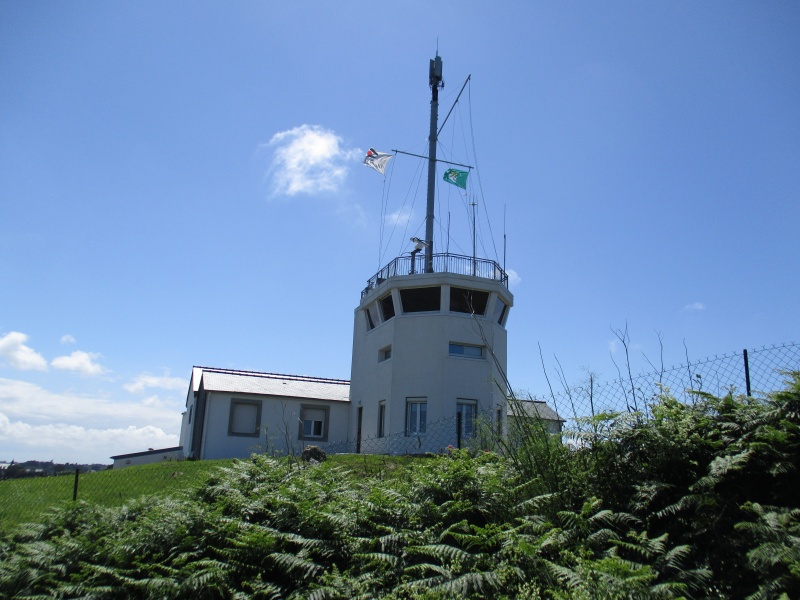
370,322
466,351
427,299
500,310
387,307
385,354
468,301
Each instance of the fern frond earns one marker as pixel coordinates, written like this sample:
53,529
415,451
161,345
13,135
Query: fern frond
442,552
379,557
293,565
471,583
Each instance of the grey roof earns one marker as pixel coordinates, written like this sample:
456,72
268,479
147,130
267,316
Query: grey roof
273,384
532,408
146,452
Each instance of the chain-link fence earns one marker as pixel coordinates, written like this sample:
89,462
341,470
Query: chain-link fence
755,372
24,499
751,372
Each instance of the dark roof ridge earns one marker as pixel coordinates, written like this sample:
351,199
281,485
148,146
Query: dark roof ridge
307,378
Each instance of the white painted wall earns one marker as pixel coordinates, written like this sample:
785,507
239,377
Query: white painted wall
279,431
420,365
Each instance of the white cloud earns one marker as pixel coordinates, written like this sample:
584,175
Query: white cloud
309,159
400,216
67,339
19,356
145,381
32,403
62,442
694,306
37,424
79,362
513,278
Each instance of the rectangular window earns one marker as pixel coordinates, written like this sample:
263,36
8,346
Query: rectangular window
190,415
370,322
427,299
416,415
245,418
385,354
382,418
465,350
467,409
314,422
500,309
468,301
387,307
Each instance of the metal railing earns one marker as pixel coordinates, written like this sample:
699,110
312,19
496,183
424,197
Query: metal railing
442,263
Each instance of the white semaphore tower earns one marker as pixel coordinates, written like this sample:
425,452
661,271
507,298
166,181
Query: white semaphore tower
429,340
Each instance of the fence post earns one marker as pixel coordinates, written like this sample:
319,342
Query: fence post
746,372
458,430
75,488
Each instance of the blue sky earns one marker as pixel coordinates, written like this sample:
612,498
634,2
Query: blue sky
181,184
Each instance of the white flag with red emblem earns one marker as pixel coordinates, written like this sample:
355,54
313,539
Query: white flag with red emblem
377,160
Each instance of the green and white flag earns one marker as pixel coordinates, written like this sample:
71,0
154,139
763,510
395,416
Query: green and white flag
456,177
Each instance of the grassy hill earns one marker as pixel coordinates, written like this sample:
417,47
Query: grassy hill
27,499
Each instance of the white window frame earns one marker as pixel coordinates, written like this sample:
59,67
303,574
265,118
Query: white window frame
459,350
324,424
384,354
416,416
235,403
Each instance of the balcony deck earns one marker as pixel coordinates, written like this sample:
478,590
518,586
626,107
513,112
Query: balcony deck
442,263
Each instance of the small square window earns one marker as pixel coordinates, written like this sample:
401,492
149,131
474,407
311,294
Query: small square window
314,423
245,418
385,354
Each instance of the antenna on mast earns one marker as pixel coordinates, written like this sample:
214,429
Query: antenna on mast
435,80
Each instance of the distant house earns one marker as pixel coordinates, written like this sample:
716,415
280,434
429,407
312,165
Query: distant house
534,409
232,413
147,457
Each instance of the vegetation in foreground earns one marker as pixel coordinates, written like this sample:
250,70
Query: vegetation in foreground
690,501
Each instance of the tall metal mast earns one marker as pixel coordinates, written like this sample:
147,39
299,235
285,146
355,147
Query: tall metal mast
436,82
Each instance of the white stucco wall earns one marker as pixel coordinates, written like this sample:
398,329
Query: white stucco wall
420,363
279,428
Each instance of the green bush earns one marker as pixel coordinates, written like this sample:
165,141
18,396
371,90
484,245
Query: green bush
686,501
